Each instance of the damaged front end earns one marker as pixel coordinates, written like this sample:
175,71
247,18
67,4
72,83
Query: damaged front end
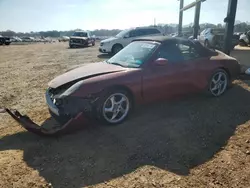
30,126
69,111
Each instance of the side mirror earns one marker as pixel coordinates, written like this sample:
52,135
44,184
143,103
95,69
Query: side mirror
160,62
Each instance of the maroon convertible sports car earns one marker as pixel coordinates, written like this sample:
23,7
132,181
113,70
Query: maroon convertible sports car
147,70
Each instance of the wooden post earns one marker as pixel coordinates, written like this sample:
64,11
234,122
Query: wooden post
197,19
229,20
180,17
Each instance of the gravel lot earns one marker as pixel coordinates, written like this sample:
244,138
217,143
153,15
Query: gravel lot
192,142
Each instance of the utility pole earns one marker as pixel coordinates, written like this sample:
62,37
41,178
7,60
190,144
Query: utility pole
229,20
180,17
197,5
197,19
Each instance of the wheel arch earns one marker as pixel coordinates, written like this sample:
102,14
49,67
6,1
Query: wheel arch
116,44
125,88
227,71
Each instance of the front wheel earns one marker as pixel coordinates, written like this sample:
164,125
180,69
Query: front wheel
114,107
218,83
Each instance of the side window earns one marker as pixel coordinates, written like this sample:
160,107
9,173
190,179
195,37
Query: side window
136,33
145,32
170,52
155,31
151,31
188,52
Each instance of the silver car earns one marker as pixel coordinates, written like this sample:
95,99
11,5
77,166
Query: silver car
214,38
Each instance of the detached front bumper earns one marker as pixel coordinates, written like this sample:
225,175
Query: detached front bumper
73,115
30,126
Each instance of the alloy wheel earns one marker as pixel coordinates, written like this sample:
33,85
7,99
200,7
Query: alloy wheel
218,83
116,108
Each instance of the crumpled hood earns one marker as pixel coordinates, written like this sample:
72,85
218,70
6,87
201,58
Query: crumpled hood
74,37
109,39
85,71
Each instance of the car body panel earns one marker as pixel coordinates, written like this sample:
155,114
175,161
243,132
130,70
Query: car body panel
130,78
86,70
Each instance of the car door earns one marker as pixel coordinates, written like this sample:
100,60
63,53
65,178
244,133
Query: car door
176,78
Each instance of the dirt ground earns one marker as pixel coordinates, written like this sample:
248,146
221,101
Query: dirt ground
193,142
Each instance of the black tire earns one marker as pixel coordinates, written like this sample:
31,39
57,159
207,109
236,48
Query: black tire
93,43
242,43
116,48
7,43
70,46
228,83
206,44
102,101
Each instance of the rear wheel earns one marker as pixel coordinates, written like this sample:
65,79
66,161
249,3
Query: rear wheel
7,43
218,83
114,107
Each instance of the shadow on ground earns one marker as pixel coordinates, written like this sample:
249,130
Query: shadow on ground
104,56
80,47
175,136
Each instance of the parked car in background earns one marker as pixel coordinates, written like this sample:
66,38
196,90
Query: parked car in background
122,39
81,39
4,40
214,38
28,39
64,39
244,39
15,39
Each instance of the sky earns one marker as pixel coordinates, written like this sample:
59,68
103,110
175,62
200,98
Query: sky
42,15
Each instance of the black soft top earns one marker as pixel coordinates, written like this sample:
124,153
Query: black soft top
161,39
168,40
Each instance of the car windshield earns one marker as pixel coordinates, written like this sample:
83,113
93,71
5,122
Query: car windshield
122,33
80,34
134,55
